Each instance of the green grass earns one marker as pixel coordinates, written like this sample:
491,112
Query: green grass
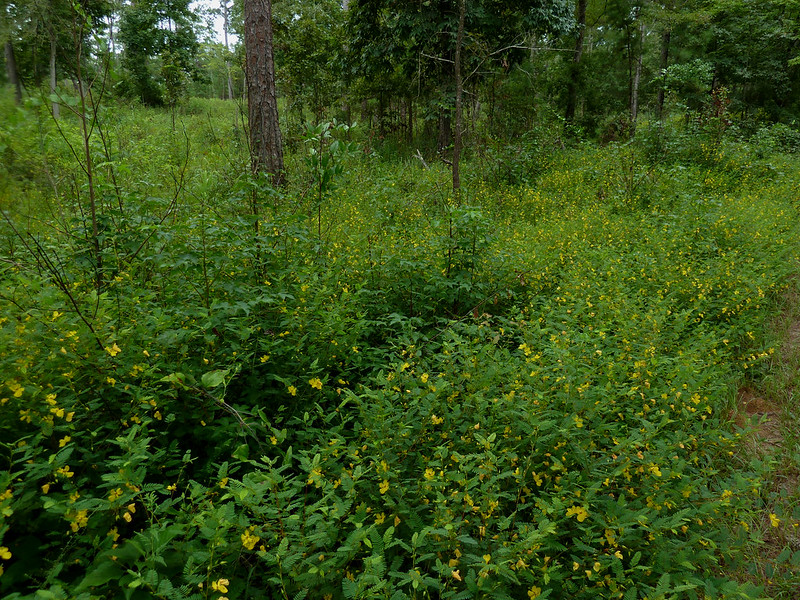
527,394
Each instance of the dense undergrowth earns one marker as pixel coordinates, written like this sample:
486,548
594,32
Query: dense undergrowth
380,392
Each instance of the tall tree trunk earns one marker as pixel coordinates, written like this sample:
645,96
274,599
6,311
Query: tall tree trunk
459,94
445,136
53,78
574,79
410,118
637,77
266,148
664,63
224,8
11,71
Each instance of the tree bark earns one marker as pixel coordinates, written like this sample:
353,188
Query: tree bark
459,94
11,71
266,148
637,77
572,86
665,39
53,77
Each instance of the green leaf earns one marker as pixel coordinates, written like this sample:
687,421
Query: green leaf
214,379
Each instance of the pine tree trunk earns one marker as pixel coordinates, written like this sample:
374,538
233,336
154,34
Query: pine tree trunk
572,86
665,39
266,148
459,94
637,77
53,78
11,71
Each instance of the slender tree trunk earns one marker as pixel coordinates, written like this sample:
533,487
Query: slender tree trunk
445,130
224,7
410,117
11,71
459,94
266,148
665,39
637,77
572,86
53,78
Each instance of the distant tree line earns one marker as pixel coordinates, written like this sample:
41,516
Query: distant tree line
594,65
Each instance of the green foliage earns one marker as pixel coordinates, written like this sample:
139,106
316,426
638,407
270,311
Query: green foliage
522,395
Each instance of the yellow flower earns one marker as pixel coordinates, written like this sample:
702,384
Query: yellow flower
127,516
64,441
380,518
580,513
113,350
292,390
220,585
436,420
424,378
172,487
223,482
132,508
487,558
113,534
45,488
384,487
64,471
264,358
69,416
429,473
249,540
4,553
80,519
774,520
534,592
316,382
111,381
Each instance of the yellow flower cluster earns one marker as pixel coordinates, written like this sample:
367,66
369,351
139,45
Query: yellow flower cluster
249,539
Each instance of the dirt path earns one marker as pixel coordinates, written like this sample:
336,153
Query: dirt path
769,410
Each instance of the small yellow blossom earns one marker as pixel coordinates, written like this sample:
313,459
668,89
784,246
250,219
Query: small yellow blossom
436,420
113,534
424,378
264,358
316,382
579,512
79,519
249,540
384,487
45,488
111,381
292,390
127,516
113,350
220,585
534,592
64,441
774,520
4,553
